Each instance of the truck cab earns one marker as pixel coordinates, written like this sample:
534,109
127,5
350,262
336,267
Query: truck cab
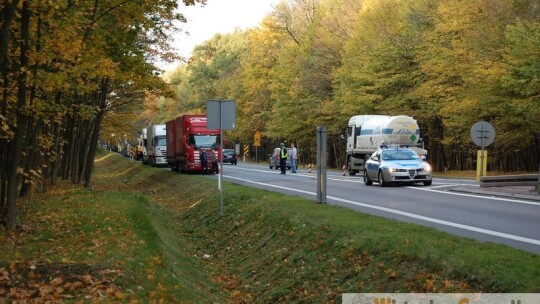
187,136
157,145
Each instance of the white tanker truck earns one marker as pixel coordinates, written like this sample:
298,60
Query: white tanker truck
366,133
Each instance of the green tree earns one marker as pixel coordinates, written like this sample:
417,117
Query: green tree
520,85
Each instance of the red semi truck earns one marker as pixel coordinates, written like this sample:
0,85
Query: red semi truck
187,136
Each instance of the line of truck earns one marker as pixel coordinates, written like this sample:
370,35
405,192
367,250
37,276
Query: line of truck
180,142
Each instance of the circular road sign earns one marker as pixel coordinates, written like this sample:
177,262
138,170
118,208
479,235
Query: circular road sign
482,134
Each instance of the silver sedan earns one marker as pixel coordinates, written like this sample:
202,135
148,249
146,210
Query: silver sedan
396,166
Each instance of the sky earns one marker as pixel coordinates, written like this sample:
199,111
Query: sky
217,16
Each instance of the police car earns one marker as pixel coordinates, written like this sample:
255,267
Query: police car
396,165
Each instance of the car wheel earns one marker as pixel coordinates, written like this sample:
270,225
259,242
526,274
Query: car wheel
367,181
428,183
381,180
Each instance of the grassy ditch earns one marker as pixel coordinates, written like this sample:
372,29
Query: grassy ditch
145,233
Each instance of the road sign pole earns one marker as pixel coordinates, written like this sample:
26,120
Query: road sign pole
220,165
482,156
482,134
218,120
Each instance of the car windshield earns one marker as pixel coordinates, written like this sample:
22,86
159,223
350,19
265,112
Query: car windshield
228,152
399,155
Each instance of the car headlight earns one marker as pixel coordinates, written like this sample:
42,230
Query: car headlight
427,168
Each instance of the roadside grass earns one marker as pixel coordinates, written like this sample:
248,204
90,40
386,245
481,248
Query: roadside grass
150,234
95,245
304,251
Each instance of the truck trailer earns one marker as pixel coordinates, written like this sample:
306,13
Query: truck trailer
366,133
156,145
187,137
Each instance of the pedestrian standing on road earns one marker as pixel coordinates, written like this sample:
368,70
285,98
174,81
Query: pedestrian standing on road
283,158
204,162
293,154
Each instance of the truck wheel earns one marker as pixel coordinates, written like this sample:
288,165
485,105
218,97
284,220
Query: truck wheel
381,180
351,171
367,181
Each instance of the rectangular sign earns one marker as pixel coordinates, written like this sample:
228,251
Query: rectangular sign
221,114
441,298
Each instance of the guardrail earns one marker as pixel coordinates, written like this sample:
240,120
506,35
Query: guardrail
510,180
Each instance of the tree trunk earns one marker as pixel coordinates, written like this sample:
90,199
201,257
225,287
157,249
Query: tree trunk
16,148
95,132
7,16
54,165
4,144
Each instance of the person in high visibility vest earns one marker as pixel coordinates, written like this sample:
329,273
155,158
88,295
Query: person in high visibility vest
283,158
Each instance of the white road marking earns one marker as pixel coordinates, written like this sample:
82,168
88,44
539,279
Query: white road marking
431,188
478,196
406,214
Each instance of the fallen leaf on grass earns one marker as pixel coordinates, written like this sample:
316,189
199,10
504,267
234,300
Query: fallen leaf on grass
57,281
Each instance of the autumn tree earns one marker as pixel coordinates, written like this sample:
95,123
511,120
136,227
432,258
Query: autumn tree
520,84
448,64
64,67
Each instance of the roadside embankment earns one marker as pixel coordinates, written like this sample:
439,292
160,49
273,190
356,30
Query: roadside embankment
267,247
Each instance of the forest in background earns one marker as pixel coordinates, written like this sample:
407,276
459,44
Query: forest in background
449,64
75,72
64,66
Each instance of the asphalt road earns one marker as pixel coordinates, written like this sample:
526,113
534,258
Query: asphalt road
510,221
